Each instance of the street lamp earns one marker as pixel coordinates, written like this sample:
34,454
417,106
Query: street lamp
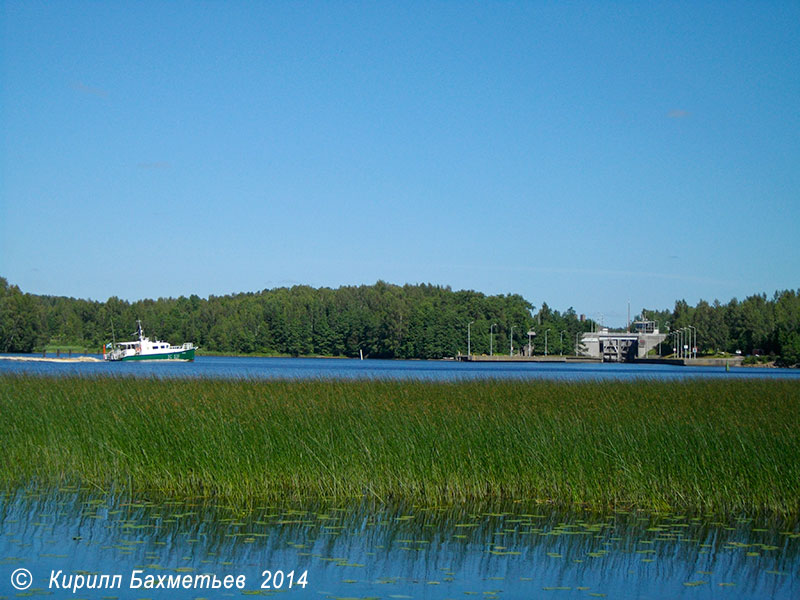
531,334
693,343
491,330
469,340
511,341
545,341
685,332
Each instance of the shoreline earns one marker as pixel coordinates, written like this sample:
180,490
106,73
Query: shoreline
733,362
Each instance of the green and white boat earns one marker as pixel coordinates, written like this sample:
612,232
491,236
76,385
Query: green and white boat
145,349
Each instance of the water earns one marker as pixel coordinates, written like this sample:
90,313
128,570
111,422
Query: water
363,550
444,370
397,551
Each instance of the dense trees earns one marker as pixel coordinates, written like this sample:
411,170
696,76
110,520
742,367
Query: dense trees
756,325
381,320
20,319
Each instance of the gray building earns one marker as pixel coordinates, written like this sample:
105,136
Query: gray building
614,346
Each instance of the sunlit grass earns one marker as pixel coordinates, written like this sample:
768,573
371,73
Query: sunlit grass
701,445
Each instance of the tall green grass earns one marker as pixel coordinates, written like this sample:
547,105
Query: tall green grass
720,445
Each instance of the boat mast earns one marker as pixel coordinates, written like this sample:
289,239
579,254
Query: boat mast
141,333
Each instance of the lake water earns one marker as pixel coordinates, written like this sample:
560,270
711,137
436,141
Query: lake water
363,550
435,370
399,551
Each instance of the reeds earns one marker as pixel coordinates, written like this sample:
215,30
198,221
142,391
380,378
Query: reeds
702,445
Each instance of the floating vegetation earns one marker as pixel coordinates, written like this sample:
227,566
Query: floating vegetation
702,446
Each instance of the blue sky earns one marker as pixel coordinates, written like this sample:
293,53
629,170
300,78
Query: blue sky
583,153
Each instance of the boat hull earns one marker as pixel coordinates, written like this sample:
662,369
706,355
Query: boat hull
184,355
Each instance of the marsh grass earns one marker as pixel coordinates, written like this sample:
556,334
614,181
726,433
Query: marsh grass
705,445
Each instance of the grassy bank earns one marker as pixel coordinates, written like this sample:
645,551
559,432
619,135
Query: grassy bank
699,445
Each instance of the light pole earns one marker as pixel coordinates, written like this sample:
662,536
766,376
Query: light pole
685,346
531,334
545,341
511,341
693,343
469,340
688,343
561,344
491,331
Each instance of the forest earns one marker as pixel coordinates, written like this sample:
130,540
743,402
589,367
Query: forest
381,321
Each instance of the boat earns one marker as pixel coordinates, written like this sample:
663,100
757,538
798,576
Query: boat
146,349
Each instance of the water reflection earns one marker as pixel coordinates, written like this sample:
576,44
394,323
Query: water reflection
400,551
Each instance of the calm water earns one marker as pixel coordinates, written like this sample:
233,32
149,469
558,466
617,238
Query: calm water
304,368
395,551
362,550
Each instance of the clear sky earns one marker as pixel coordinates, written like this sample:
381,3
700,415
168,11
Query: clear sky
579,153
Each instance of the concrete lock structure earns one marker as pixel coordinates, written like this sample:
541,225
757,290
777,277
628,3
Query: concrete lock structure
614,346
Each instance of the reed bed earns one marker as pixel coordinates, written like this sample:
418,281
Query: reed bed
700,445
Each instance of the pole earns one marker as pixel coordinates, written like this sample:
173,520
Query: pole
628,326
469,340
511,341
561,345
687,340
684,346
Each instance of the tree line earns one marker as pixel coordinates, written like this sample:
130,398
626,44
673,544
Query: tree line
380,321
757,325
